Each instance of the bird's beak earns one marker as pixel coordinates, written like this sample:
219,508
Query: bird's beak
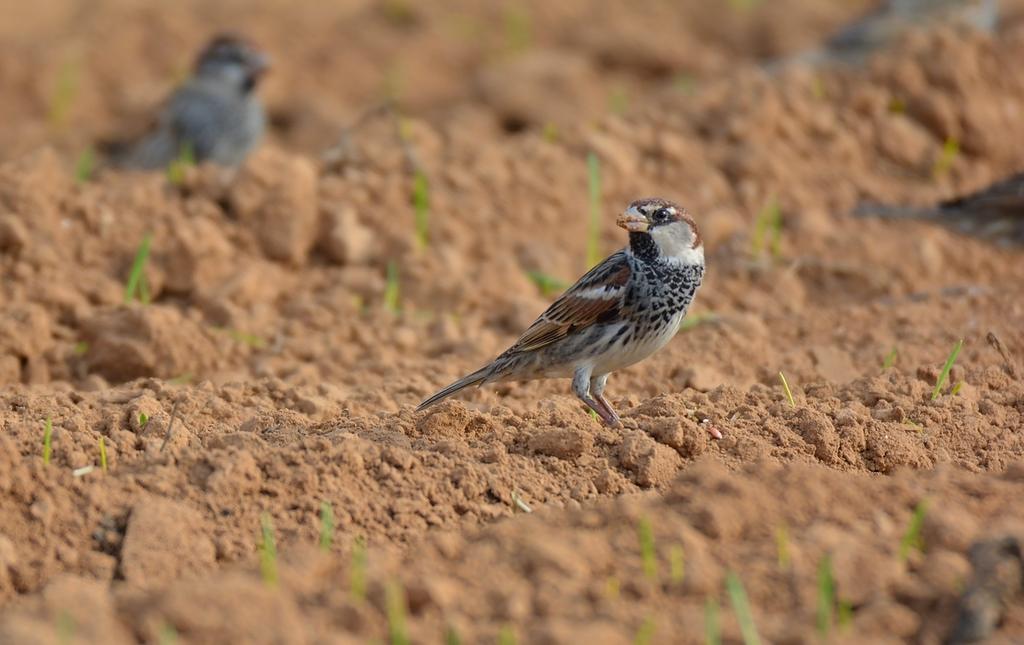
633,221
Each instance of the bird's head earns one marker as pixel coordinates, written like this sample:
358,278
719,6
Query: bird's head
668,226
232,60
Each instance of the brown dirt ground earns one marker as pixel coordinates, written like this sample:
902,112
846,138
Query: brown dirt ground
291,384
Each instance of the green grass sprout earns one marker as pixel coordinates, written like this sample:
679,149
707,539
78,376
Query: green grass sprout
391,291
768,231
143,420
890,359
85,165
507,636
645,634
550,132
268,551
81,348
182,379
712,626
826,597
137,285
956,388
326,525
744,5
451,636
741,605
103,454
844,614
518,36
357,575
64,94
168,635
944,163
782,546
179,165
594,192
696,320
785,388
912,540
47,441
944,374
243,337
546,284
395,600
66,628
648,555
676,564
421,206
685,84
618,100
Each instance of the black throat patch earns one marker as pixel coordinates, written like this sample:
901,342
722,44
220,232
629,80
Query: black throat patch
643,247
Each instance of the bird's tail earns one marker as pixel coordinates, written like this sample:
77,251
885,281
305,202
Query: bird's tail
894,212
476,378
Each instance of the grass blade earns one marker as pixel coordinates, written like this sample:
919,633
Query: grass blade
782,546
647,551
546,284
712,627
103,454
47,441
179,166
944,374
85,165
946,159
391,291
768,230
890,359
357,574
326,525
741,605
268,551
594,192
645,635
826,597
785,388
137,284
911,540
421,206
395,599
676,564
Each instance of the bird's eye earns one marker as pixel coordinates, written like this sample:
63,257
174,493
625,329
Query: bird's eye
661,215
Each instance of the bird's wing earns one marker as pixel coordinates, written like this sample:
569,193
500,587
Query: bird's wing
198,114
596,297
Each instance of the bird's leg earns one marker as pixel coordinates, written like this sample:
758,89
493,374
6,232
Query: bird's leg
581,387
597,385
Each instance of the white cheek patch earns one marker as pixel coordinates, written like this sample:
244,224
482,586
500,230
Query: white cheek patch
675,240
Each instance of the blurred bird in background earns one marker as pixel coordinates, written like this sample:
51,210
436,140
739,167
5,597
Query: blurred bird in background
890,20
214,116
995,213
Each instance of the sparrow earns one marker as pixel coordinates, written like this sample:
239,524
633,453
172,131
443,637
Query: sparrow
214,116
622,311
995,213
890,20
893,18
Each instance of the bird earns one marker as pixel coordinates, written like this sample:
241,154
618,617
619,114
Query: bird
994,213
620,312
892,18
215,115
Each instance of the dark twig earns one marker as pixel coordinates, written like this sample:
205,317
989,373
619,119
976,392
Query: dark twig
170,425
994,341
